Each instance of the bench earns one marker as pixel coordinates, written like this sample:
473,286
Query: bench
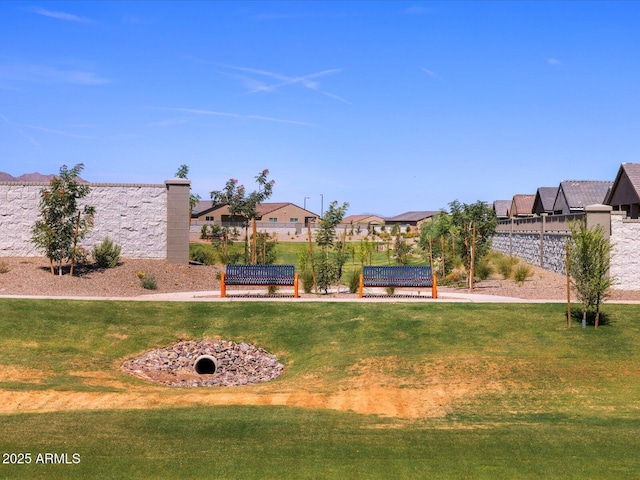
398,276
262,275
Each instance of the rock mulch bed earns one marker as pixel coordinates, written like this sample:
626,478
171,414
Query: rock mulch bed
237,364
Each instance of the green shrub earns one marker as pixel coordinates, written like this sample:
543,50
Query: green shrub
202,253
390,290
148,282
505,265
107,254
483,269
521,273
307,280
354,280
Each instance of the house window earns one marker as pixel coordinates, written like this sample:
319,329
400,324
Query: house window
273,220
293,220
209,219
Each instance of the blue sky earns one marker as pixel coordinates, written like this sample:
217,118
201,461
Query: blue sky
390,106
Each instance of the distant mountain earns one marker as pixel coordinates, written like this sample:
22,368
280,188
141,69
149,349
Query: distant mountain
30,178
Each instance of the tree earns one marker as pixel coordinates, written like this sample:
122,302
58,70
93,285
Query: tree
589,262
182,172
434,242
329,265
62,224
474,225
243,205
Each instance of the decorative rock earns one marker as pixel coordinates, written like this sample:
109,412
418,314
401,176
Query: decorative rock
237,364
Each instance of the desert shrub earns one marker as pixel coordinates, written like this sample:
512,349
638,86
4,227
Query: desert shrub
353,280
483,269
505,265
521,272
4,267
202,253
307,280
148,282
106,254
455,278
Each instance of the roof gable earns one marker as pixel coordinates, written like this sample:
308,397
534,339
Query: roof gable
545,198
626,186
501,207
412,216
522,204
580,193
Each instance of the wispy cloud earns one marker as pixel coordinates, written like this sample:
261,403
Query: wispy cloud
416,10
431,73
55,132
554,62
170,122
67,17
308,81
46,74
197,111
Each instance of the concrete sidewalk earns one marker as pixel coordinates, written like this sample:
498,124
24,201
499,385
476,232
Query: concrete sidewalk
287,296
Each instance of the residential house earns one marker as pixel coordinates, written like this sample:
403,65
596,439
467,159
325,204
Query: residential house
367,219
625,192
522,205
274,213
501,208
574,195
545,198
411,219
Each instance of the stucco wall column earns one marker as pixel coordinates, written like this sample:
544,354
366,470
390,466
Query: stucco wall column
178,191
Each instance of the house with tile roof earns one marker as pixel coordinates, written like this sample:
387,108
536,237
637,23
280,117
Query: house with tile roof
625,192
411,219
574,195
366,219
272,212
545,198
501,208
522,205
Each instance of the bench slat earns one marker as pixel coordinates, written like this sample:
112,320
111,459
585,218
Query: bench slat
397,276
260,275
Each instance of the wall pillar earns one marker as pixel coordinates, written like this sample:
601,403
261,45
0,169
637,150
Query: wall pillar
178,212
599,215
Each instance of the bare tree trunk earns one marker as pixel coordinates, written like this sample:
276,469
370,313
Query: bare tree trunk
75,245
313,268
254,253
568,287
442,242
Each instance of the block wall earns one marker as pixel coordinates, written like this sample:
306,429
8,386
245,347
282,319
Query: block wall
136,217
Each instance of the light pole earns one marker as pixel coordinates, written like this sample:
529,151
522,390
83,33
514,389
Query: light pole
321,204
305,202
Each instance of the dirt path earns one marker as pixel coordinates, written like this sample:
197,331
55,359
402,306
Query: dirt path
368,391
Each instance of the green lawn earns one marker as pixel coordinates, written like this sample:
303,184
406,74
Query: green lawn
534,399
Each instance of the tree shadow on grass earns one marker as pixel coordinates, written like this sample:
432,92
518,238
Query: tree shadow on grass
576,317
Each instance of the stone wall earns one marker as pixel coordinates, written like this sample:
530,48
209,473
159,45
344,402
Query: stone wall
625,248
529,248
136,217
625,242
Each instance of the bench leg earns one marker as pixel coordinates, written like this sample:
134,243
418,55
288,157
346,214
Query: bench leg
223,289
434,287
295,285
361,286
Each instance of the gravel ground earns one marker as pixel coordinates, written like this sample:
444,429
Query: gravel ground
32,276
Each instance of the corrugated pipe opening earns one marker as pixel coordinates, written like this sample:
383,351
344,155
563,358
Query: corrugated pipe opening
205,365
